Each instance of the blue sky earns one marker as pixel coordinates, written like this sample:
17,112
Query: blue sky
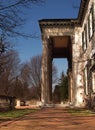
51,9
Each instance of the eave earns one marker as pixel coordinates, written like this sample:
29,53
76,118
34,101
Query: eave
66,22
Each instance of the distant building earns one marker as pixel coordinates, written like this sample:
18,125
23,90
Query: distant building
73,39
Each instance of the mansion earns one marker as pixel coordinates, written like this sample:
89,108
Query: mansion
73,39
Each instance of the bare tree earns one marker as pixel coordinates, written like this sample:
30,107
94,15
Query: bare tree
19,89
25,73
5,53
10,63
31,71
54,74
10,80
2,48
35,70
10,15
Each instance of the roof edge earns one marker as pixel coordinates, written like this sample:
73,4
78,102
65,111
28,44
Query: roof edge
67,22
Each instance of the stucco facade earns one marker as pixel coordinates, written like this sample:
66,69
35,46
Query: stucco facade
73,39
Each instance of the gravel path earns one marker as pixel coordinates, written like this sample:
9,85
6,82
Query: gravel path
50,119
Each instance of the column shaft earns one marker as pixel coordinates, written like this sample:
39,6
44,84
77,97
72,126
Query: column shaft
46,87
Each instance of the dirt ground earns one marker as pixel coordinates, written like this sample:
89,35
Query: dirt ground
50,119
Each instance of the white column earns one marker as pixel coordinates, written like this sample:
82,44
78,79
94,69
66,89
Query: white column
46,89
70,86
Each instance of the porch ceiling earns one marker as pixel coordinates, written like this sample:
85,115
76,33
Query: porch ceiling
61,46
61,42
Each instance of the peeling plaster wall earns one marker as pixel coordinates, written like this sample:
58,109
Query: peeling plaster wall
77,69
80,58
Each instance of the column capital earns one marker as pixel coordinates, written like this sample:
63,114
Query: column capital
45,37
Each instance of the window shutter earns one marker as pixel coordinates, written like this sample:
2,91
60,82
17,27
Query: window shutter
89,27
85,29
93,26
83,41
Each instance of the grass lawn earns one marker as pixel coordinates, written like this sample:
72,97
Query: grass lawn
81,112
15,113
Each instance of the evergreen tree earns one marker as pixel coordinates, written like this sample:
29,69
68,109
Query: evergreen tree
63,87
61,90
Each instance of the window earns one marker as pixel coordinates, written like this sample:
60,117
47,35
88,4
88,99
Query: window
85,31
92,10
85,81
93,81
90,17
89,27
91,22
84,38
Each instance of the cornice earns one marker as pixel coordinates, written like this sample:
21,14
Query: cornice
71,23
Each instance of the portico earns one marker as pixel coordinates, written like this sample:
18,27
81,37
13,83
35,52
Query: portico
57,43
71,39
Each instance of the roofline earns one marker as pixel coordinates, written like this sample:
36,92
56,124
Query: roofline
82,10
58,22
67,22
